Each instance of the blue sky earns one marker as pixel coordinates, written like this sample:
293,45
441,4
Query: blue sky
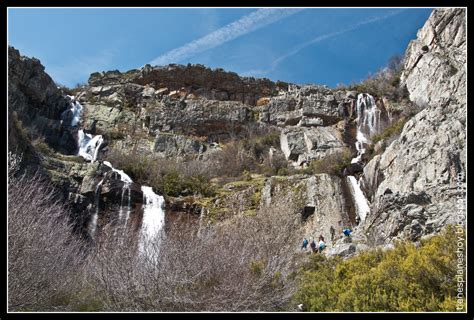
307,45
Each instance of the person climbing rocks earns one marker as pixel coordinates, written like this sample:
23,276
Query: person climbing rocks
347,232
321,238
313,246
305,244
322,245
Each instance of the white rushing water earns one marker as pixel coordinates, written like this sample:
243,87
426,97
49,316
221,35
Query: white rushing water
368,124
153,213
362,205
89,145
95,216
124,210
75,109
123,176
368,115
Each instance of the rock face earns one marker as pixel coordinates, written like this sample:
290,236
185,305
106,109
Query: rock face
417,181
33,95
175,146
210,118
194,79
187,112
435,66
320,200
305,106
302,145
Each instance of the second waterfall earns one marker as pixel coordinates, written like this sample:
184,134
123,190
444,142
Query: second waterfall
153,213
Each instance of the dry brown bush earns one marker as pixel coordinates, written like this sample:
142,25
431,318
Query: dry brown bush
244,265
44,257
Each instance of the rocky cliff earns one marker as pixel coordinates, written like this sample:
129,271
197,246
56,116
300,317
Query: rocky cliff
417,181
192,116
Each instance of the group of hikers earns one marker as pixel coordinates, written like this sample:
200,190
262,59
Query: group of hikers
315,248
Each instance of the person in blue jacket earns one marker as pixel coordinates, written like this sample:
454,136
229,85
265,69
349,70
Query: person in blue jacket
305,244
347,232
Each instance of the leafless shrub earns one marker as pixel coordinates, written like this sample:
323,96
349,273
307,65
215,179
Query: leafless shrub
44,256
14,163
243,265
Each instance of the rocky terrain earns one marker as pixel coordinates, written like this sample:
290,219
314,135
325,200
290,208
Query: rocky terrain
191,114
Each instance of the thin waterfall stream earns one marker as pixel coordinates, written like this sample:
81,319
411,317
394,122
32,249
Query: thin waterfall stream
153,210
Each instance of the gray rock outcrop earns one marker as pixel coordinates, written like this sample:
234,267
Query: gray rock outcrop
320,200
302,145
435,64
417,181
35,99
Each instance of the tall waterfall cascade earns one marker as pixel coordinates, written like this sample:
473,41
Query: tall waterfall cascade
368,124
153,209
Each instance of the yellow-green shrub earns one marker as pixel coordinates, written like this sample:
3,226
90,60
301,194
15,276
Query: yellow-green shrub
407,278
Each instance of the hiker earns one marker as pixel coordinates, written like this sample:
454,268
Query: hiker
347,232
305,244
321,238
322,245
313,246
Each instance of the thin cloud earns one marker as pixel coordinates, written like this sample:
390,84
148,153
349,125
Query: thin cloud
248,23
320,38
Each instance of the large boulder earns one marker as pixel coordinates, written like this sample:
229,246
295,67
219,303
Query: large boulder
302,145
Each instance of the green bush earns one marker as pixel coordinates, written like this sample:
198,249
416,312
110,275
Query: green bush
332,164
257,267
41,146
407,278
176,184
390,131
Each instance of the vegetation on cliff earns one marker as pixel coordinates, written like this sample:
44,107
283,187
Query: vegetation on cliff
410,277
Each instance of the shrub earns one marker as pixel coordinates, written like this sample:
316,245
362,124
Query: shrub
241,266
385,82
168,176
332,164
391,131
44,256
41,146
407,278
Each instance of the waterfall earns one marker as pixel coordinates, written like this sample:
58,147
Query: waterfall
93,223
368,124
75,109
89,145
123,176
125,189
153,216
153,213
362,205
368,115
